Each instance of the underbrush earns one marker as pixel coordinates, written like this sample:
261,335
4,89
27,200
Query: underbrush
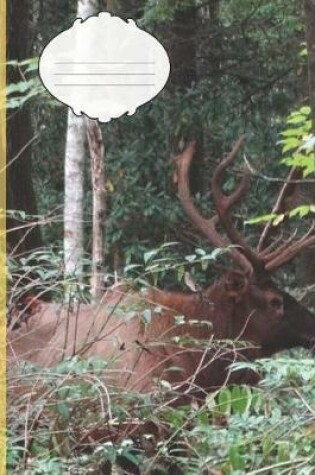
68,421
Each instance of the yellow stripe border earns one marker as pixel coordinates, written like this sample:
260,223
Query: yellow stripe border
2,238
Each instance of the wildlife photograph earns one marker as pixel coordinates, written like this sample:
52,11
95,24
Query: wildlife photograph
160,237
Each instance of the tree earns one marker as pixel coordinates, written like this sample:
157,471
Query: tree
96,146
74,177
20,191
238,81
183,57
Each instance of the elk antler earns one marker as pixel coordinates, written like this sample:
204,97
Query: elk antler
287,252
264,259
291,247
286,191
224,203
206,226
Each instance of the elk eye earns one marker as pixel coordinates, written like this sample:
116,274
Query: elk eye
276,303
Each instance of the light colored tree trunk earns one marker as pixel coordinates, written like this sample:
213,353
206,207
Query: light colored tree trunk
74,178
96,146
73,204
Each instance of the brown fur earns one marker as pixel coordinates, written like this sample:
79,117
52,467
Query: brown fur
141,353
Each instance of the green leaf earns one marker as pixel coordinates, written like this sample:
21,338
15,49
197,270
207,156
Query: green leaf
292,132
241,398
290,144
283,451
63,410
261,219
224,401
236,459
200,252
305,110
19,87
300,211
296,119
149,255
12,62
180,273
110,452
191,257
267,446
303,53
169,244
180,320
204,264
133,458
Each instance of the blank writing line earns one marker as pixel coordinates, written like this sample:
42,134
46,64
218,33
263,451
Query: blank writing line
104,74
104,85
103,62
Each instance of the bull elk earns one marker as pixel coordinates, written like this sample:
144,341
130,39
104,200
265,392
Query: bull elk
243,305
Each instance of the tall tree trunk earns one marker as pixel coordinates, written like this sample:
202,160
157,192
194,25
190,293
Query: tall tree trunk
74,193
183,51
20,191
74,177
96,146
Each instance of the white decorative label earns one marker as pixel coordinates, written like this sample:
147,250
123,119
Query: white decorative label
104,67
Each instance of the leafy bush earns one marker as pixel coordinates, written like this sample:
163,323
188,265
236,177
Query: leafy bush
80,424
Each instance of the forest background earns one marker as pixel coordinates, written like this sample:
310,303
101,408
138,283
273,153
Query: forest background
238,67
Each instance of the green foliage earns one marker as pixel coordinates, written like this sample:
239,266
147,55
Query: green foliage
298,149
37,273
299,141
76,400
239,430
244,430
30,86
243,83
157,11
166,263
40,275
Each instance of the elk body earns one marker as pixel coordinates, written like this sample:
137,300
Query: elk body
187,354
243,305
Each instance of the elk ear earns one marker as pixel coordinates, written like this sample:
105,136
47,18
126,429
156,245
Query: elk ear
235,284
